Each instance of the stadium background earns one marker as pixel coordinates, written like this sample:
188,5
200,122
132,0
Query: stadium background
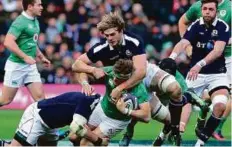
68,29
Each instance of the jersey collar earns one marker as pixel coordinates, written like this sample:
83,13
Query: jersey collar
27,16
214,22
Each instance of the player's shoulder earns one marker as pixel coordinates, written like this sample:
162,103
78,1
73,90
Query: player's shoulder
19,19
195,24
132,38
196,5
100,46
222,24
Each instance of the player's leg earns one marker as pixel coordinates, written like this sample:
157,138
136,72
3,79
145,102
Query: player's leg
185,115
218,133
108,128
36,90
218,91
128,135
30,128
8,94
34,84
13,79
161,114
50,138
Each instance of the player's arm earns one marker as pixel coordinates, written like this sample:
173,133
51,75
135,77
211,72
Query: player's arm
214,54
179,47
10,43
143,113
140,66
183,25
81,65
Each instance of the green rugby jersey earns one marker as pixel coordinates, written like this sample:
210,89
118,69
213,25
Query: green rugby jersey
108,107
26,30
224,13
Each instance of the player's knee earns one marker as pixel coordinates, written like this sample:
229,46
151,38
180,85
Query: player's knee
5,101
174,91
39,96
77,125
219,104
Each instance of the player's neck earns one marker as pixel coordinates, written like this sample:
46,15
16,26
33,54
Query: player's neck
29,14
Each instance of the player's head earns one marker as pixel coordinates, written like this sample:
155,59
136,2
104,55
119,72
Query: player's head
34,6
209,10
112,26
168,65
123,69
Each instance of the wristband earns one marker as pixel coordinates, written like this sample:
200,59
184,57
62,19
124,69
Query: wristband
201,63
98,142
173,55
84,83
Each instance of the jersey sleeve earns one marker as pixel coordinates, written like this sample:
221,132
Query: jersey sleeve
138,49
95,53
191,32
192,13
108,69
16,28
224,33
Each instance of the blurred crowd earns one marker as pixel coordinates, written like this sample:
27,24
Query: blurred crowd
68,29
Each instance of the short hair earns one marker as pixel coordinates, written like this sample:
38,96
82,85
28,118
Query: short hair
123,67
209,1
111,20
25,3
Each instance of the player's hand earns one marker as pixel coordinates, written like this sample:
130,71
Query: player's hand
121,105
98,73
46,62
193,73
105,141
116,93
29,60
87,89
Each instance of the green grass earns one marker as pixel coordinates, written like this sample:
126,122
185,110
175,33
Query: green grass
9,120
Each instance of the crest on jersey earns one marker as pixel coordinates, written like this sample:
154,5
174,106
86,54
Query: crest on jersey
128,53
35,37
222,12
214,33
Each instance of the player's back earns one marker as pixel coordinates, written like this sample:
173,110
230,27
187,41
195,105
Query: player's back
58,111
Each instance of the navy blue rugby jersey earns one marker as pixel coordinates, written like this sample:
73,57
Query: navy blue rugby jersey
102,51
202,39
58,111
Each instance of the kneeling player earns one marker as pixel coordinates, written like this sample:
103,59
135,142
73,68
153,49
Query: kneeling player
41,120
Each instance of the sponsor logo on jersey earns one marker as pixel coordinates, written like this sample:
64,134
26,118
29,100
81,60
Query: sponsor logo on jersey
35,37
222,13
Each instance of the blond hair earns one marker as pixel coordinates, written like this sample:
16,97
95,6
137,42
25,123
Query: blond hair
111,20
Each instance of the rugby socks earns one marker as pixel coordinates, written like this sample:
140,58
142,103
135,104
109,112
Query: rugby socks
175,109
130,128
209,128
219,128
